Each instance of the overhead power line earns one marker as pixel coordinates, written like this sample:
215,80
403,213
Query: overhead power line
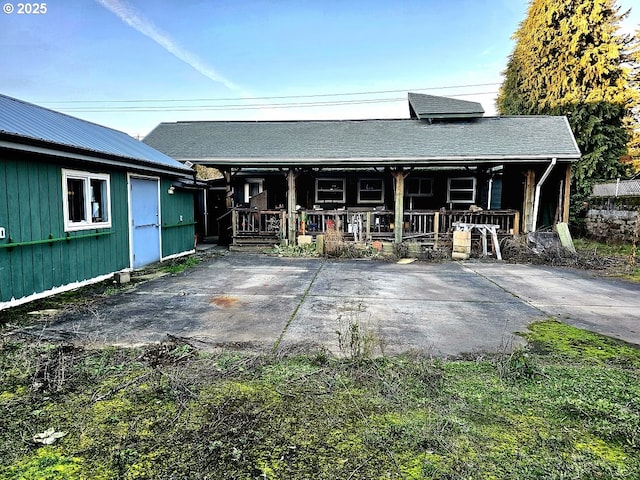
281,97
244,106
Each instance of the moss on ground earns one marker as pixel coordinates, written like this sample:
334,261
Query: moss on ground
168,411
553,337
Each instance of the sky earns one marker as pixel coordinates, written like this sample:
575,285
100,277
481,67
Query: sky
132,64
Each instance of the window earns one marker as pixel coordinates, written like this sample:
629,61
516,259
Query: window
461,190
252,187
370,190
330,190
419,187
86,200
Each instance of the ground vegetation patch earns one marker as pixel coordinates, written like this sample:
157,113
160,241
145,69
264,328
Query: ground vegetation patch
564,406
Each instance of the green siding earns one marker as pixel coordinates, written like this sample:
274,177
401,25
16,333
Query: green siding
31,209
177,236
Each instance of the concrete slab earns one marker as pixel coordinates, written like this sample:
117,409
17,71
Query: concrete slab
604,305
446,309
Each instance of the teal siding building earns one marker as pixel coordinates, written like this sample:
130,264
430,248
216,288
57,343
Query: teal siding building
80,202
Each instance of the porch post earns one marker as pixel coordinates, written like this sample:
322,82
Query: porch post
567,195
399,176
228,200
529,194
291,206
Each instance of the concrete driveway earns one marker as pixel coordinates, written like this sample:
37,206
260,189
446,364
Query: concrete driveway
445,309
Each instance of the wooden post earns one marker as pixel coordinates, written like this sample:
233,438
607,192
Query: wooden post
399,176
234,225
567,195
291,206
516,223
529,199
228,201
436,228
368,220
283,224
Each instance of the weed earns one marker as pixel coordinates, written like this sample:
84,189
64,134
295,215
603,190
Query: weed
305,250
401,250
180,265
518,364
356,339
606,249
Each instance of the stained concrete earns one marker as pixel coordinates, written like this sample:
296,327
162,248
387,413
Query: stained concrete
445,309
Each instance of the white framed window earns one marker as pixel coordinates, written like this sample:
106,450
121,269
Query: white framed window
330,190
370,190
418,187
252,187
461,190
86,200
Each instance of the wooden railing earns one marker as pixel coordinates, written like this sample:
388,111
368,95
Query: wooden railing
247,222
508,220
366,225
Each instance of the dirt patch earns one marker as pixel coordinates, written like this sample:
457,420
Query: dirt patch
224,301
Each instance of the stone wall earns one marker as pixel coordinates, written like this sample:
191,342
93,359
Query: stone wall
612,225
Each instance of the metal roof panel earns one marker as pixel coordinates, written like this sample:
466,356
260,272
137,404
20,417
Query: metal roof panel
29,121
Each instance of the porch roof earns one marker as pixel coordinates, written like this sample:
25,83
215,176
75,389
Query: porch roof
358,143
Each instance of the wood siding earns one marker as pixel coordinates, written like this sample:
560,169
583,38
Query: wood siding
31,210
177,234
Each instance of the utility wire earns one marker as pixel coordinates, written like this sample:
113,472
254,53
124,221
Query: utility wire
254,106
317,95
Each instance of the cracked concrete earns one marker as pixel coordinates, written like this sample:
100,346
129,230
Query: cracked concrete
445,309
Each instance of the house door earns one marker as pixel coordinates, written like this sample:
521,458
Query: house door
145,221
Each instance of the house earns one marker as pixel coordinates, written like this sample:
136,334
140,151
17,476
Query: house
80,202
398,179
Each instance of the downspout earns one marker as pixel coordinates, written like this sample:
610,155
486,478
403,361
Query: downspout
489,193
536,200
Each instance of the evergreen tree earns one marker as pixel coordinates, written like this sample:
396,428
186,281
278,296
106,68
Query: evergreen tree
634,124
570,59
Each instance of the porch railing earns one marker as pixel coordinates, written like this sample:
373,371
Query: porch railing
249,222
360,225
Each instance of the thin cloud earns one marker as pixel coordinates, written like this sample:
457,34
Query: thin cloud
135,20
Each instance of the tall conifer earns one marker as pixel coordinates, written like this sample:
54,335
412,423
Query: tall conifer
570,59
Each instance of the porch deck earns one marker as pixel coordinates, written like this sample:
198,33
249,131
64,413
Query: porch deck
261,228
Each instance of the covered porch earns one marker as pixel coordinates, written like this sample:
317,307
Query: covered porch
383,179
252,227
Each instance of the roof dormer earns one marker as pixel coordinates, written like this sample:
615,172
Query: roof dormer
430,107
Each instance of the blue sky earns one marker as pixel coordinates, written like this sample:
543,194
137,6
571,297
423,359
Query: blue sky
132,64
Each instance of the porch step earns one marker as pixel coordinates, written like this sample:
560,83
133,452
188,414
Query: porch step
256,243
249,248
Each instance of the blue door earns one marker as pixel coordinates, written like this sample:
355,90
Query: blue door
145,221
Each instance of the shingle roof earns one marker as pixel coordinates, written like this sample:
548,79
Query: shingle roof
24,122
430,106
366,142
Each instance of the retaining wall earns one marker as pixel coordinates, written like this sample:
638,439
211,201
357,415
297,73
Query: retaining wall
612,225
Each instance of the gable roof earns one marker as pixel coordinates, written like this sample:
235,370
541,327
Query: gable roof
28,127
357,143
430,106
